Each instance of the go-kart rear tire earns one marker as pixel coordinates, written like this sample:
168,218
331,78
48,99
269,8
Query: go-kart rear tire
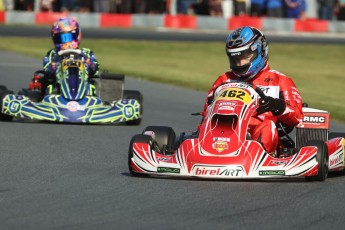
133,122
322,159
139,138
3,93
335,135
33,95
2,88
134,94
164,136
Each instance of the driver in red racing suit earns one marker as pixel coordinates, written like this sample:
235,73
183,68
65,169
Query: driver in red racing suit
247,51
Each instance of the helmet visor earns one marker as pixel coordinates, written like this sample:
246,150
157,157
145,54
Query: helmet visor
242,58
61,38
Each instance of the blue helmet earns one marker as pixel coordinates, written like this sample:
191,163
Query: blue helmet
247,51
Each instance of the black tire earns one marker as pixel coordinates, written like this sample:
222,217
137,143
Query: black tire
139,138
2,88
334,135
133,122
322,159
164,136
33,95
134,94
3,93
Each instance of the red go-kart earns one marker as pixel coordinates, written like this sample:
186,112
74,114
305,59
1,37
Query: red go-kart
222,149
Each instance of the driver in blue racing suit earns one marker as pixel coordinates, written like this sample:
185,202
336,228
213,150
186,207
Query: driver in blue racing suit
66,34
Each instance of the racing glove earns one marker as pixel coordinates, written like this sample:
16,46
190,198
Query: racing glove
275,105
92,67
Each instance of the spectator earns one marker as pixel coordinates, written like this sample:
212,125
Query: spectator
240,7
215,8
121,6
156,6
69,5
9,6
326,9
275,8
340,10
138,6
47,5
23,5
295,8
85,5
184,6
101,6
56,5
257,8
201,7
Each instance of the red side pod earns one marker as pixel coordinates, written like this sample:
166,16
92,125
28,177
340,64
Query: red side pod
116,20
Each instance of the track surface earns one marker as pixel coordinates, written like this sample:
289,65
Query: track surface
55,176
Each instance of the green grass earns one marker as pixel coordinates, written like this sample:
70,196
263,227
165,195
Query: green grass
318,70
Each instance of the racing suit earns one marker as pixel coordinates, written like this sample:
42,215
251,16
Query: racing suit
262,127
48,81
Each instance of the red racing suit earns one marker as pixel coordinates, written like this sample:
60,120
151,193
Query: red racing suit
262,127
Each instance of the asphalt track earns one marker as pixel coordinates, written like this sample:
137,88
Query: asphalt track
55,176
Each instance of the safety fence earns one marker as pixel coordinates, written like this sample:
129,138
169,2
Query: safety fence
106,20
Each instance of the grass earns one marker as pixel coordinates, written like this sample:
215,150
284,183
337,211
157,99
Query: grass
318,70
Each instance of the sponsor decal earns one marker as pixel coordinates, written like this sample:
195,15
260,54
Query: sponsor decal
163,159
276,162
272,91
232,171
168,170
226,108
254,47
128,111
235,54
14,106
220,143
314,119
272,173
228,103
336,160
73,106
220,146
221,139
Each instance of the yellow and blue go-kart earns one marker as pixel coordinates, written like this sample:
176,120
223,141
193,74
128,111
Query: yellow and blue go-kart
75,101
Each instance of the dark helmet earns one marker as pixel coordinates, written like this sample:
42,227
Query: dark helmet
247,51
66,33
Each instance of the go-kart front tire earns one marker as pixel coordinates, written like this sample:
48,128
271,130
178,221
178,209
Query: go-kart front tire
139,138
322,160
3,93
33,95
164,136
